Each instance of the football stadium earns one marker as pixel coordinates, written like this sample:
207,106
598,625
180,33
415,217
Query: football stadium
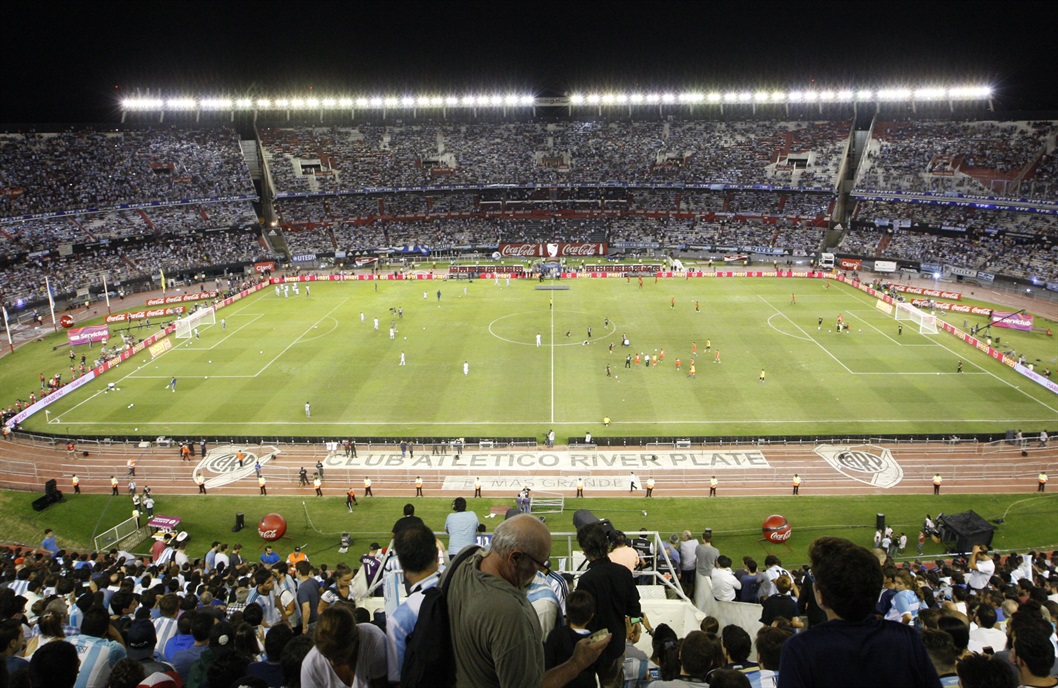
717,325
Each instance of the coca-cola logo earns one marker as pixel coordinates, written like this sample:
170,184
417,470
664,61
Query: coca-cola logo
582,249
512,250
268,534
780,536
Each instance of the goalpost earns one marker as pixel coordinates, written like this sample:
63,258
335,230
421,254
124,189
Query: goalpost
927,322
185,327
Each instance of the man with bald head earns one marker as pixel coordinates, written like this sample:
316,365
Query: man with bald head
496,635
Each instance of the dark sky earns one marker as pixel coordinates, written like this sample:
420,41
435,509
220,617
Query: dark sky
70,61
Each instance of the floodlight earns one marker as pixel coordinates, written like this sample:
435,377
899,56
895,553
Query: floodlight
796,96
282,103
376,102
329,102
844,96
730,97
621,98
528,100
668,98
827,95
264,103
451,101
760,96
928,94
510,99
576,99
653,99
180,104
407,101
608,99
810,96
713,97
363,102
778,96
468,100
894,94
496,99
216,104
312,102
745,97
244,103
636,98
864,95
390,102
345,102
297,103
593,99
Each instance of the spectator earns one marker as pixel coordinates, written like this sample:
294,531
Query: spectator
486,593
770,641
98,647
561,642
737,646
700,654
941,651
461,526
418,559
616,597
852,643
346,653
270,668
56,665
782,604
725,585
140,647
985,671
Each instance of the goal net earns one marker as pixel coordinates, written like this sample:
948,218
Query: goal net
927,322
185,327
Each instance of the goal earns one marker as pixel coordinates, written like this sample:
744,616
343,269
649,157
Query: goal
185,327
927,322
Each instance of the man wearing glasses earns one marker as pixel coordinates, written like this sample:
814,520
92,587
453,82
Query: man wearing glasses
496,635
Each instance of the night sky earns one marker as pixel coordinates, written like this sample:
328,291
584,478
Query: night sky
71,61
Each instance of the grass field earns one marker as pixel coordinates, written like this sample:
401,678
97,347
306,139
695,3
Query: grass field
275,354
1030,520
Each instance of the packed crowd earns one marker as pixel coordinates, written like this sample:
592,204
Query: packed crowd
84,168
417,155
175,254
968,157
316,210
1013,244
850,616
49,233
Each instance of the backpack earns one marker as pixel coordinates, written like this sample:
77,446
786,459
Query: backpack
429,660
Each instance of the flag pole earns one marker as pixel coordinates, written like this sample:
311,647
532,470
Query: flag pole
7,326
106,292
51,304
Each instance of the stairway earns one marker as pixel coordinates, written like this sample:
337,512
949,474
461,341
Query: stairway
253,160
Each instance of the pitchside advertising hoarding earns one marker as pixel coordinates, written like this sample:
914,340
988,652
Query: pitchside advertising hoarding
182,298
144,314
559,249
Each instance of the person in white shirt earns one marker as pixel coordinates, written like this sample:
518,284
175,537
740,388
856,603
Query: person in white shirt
983,632
346,653
222,558
981,568
724,582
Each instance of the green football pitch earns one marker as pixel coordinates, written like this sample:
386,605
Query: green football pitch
472,366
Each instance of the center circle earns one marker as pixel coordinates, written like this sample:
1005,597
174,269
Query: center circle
522,328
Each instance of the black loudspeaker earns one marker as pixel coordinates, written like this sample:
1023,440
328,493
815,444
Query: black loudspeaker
879,521
240,522
84,453
511,513
584,517
50,487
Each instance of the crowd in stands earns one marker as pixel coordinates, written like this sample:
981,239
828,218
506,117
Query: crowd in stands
1012,244
84,168
174,254
967,157
50,233
852,616
424,154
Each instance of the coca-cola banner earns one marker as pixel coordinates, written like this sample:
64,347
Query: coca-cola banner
952,307
558,249
92,333
935,293
183,298
142,315
1014,321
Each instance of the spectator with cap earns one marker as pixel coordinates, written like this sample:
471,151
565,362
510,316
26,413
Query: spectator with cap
294,557
140,644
